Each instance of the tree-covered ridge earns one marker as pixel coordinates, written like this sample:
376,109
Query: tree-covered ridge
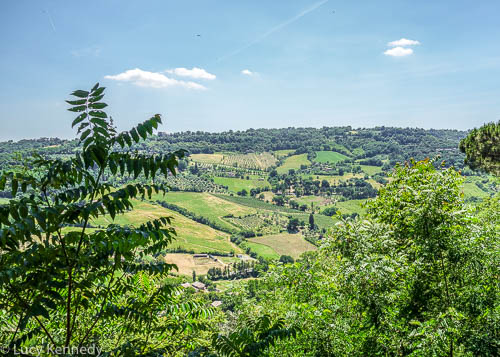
399,143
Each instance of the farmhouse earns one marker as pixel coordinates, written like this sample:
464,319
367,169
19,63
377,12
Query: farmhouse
198,285
216,303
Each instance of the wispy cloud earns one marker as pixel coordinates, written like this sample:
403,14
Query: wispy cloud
195,72
247,72
403,42
93,51
273,30
142,78
398,52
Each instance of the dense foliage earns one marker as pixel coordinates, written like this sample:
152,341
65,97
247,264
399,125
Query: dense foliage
482,147
418,277
64,283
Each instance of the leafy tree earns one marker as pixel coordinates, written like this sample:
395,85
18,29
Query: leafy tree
293,225
482,148
254,338
69,283
329,211
286,259
279,200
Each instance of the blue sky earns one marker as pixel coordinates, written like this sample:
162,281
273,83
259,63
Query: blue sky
308,63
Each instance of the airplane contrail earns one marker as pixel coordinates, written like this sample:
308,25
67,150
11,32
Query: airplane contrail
273,30
50,19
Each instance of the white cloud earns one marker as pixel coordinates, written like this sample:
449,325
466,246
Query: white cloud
398,52
195,72
247,72
152,79
403,42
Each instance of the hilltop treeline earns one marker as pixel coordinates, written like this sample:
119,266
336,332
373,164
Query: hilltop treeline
399,144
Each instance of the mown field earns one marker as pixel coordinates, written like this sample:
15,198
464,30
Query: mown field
207,205
329,156
284,244
282,153
351,206
255,203
207,158
470,189
371,170
191,235
262,250
293,162
187,263
333,179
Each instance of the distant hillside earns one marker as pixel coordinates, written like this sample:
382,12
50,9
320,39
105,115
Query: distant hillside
395,144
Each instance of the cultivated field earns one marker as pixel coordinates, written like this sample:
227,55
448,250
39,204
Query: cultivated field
262,250
207,158
258,161
191,235
470,189
187,263
237,184
281,153
333,179
329,156
293,162
207,205
371,170
255,203
285,244
351,206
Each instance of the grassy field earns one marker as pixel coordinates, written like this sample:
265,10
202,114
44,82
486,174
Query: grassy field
191,235
371,170
333,179
207,205
351,206
237,184
187,263
255,203
285,244
320,220
471,190
207,158
262,250
329,156
293,162
224,285
268,195
317,200
281,153
4,201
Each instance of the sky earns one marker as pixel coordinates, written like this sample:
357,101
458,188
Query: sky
232,65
